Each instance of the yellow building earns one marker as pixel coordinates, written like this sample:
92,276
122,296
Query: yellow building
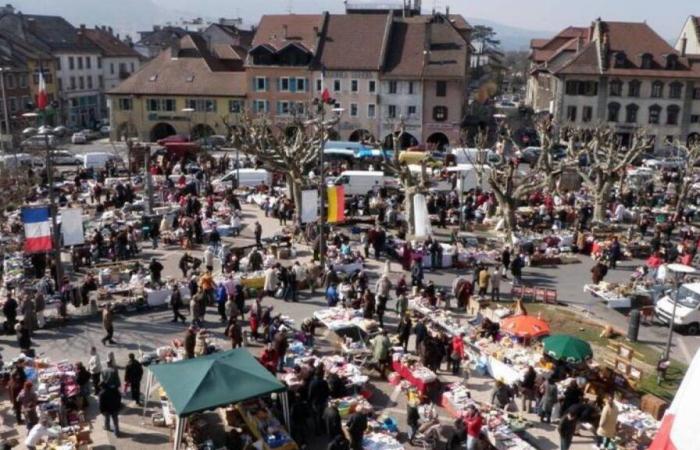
189,89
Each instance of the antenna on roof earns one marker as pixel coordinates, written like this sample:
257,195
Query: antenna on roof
290,6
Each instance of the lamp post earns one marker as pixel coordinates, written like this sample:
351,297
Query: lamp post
189,112
4,108
53,208
678,270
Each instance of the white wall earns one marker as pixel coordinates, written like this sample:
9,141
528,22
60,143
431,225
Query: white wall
110,69
693,40
74,99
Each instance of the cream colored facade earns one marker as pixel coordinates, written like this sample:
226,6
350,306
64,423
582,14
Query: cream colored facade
152,117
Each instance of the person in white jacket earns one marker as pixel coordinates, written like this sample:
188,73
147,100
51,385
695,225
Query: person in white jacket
95,368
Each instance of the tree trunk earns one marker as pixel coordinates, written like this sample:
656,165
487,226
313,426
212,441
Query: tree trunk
600,201
509,220
294,187
409,213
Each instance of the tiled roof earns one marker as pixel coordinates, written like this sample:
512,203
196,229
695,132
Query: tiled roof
405,53
353,41
567,39
449,51
57,33
109,44
299,30
194,72
244,37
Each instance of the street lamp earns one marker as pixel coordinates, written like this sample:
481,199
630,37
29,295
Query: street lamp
45,131
679,270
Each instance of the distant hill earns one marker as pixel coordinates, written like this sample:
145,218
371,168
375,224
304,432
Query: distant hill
512,38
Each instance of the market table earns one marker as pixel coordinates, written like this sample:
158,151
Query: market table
422,378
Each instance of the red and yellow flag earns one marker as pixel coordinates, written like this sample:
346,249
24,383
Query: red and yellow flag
336,204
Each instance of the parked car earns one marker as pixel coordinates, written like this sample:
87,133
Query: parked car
38,142
65,158
105,130
78,138
687,309
91,134
212,142
29,132
61,131
674,162
98,160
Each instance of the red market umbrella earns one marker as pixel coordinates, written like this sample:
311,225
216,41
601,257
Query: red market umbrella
525,326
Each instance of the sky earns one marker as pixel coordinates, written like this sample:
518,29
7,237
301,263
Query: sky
666,17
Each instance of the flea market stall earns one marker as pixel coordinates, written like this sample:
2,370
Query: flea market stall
219,380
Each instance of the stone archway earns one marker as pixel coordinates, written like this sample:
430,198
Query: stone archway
438,141
201,130
406,140
361,135
161,131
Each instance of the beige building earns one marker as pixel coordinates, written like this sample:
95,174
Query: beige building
189,89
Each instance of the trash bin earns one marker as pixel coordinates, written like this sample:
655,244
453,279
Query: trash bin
633,326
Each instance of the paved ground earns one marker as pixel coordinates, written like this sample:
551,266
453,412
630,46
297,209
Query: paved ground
148,331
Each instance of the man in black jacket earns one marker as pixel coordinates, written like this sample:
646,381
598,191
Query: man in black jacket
357,423
133,372
318,397
331,416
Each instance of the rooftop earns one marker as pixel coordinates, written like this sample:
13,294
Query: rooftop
109,44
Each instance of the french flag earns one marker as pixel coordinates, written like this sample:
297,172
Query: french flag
37,229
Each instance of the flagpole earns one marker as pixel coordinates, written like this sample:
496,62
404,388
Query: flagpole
54,211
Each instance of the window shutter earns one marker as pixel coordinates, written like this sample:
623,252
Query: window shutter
292,85
267,106
306,84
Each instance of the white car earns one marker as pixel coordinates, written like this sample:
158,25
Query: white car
65,158
674,162
105,130
78,138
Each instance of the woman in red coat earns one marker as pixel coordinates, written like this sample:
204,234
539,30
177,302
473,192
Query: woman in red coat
458,353
269,358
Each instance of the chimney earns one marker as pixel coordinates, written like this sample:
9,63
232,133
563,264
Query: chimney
684,45
579,44
111,30
447,11
82,27
285,27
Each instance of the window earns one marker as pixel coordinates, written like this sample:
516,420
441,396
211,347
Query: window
657,89
235,106
101,81
441,89
71,63
13,104
22,80
393,87
167,104
88,62
299,108
615,88
675,90
25,104
587,88
440,113
571,113
283,84
89,81
620,59
260,106
10,81
647,61
631,110
633,88
122,68
371,110
99,62
391,111
353,109
695,118
72,83
125,104
613,112
672,61
201,104
60,84
587,114
81,82
672,113
152,104
372,86
696,94
283,108
319,85
132,68
410,87
58,63
411,111
336,86
654,114
260,84
111,68
354,85
301,84
80,63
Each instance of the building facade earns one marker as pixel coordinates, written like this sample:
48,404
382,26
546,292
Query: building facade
187,90
631,79
689,40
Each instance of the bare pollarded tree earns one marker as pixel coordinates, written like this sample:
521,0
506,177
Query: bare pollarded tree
293,150
686,174
600,159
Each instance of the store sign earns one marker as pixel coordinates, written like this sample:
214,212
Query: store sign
157,117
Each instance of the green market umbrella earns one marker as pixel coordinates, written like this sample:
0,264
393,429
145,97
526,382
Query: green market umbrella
567,348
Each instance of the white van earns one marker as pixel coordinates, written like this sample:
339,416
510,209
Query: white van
360,182
475,156
21,160
471,178
98,160
249,178
687,310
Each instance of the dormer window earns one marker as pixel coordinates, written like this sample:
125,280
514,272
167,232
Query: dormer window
647,61
620,59
672,61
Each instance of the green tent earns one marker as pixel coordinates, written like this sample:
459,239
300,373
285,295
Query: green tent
215,380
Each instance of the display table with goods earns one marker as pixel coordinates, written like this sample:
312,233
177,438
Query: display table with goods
14,269
382,430
410,369
265,426
446,321
506,360
621,295
338,318
502,429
